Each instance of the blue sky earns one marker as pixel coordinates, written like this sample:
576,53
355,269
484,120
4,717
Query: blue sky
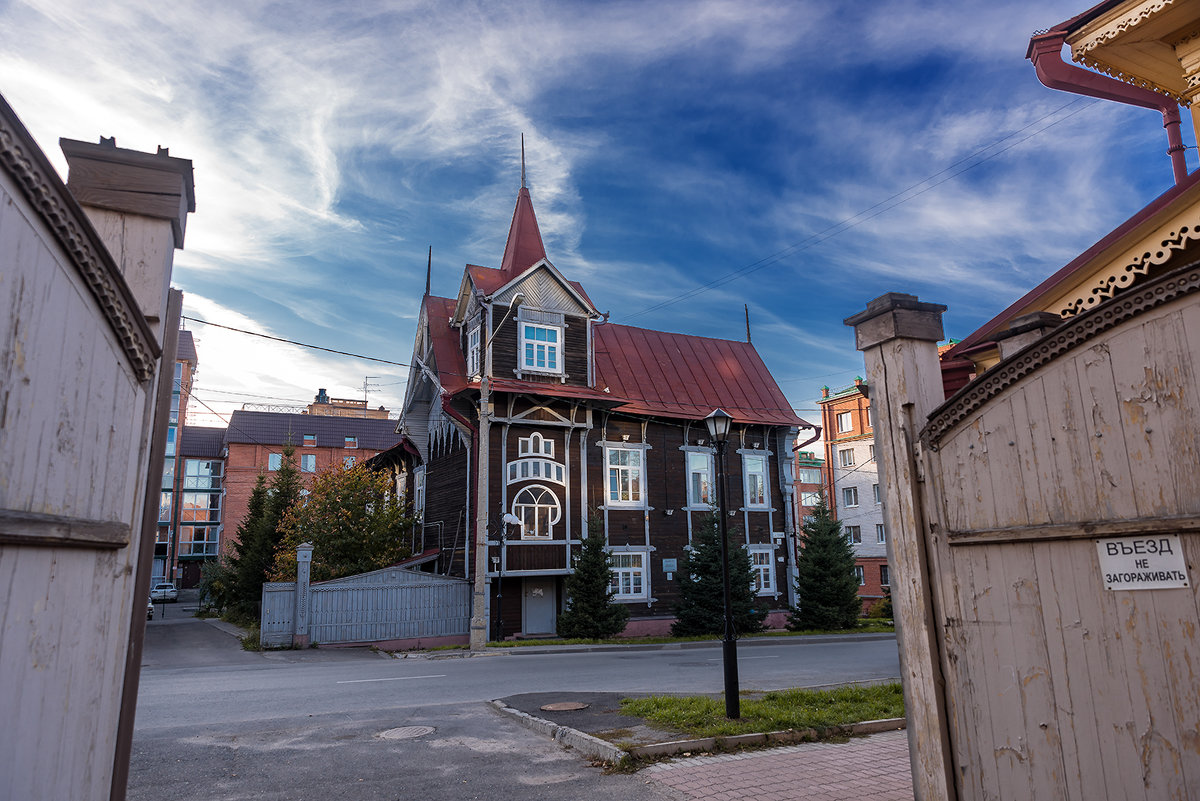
816,154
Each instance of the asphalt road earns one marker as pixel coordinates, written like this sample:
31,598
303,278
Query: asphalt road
215,722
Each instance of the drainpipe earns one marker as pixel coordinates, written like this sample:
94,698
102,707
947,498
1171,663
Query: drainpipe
1045,51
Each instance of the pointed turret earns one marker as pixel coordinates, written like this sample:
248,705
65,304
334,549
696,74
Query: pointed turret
524,248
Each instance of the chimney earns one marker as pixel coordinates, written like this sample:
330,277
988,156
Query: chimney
138,203
1025,330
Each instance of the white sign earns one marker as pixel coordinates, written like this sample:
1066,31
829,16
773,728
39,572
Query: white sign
1142,563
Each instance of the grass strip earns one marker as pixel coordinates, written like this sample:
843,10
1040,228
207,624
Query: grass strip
872,627
702,716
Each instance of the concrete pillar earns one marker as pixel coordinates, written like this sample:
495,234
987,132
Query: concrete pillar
300,637
898,336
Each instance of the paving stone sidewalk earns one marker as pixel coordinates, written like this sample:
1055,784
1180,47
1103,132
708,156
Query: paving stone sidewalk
874,768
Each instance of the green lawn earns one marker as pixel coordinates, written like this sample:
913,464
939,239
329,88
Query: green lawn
864,627
702,716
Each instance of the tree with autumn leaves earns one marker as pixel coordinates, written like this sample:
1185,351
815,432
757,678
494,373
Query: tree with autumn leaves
353,521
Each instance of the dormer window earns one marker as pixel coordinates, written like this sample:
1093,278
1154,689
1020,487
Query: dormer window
541,350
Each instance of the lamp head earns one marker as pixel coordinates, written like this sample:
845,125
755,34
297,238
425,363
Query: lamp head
512,520
517,300
719,423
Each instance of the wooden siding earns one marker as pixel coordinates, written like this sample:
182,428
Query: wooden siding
574,350
446,524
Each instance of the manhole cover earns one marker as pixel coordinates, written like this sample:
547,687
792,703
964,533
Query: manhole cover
564,706
406,732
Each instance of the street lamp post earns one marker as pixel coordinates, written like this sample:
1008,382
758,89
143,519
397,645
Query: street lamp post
718,423
479,626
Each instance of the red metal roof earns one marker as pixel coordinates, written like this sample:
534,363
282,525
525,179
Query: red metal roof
524,247
678,375
451,363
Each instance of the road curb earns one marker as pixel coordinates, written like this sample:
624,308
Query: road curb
808,639
584,743
228,628
786,737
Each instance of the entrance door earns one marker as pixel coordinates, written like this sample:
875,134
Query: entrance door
540,607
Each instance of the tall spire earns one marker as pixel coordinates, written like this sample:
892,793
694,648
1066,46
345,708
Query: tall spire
428,270
524,247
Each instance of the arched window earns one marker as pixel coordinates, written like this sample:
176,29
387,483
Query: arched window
537,508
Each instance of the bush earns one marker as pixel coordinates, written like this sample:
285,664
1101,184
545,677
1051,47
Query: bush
701,608
826,585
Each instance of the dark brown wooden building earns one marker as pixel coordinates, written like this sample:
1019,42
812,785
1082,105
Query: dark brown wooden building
588,419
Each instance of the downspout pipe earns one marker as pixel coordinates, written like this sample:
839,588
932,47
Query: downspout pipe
1045,51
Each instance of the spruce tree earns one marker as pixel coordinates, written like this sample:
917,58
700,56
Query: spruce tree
255,553
592,614
826,584
701,608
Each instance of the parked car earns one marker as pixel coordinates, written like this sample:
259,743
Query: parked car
164,592
149,610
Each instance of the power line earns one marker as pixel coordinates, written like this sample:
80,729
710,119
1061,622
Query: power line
294,342
865,215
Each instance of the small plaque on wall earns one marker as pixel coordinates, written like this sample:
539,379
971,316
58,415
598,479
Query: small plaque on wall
669,566
1142,563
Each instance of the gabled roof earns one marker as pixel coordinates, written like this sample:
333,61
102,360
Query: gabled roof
185,350
678,375
277,428
489,281
203,442
451,363
524,247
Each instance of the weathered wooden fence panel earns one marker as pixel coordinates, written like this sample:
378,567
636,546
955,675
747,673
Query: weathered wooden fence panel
278,614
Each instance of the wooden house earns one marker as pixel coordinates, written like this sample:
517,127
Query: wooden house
585,420
1042,488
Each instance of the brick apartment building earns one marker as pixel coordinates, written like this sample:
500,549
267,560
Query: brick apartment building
852,484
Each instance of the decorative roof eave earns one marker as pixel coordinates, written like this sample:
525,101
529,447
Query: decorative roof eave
1116,25
499,294
1073,334
44,190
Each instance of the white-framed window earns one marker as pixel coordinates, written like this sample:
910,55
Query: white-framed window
419,490
535,445
808,475
875,493
849,496
310,440
544,469
304,497
880,533
628,575
846,457
538,510
351,442
855,534
700,486
845,422
762,560
626,477
885,578
871,453
308,463
754,480
473,351
810,498
860,574
274,461
348,462
541,348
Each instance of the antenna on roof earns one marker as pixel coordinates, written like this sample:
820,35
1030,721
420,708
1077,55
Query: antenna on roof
522,161
747,323
428,270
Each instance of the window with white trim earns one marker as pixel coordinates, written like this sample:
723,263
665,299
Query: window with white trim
626,478
348,462
535,445
880,533
473,351
845,422
855,534
810,498
870,453
754,480
762,560
850,496
808,475
885,578
846,457
540,348
699,465
860,574
419,491
628,575
538,510
875,492
274,461
308,463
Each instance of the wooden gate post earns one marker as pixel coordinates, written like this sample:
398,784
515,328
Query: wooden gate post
303,568
898,336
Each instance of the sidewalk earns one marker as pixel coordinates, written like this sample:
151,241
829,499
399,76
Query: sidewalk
874,768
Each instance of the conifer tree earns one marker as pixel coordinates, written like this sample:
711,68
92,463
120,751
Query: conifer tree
592,614
826,584
701,608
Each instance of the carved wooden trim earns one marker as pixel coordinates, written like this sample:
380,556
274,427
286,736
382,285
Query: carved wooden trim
28,528
1116,279
1189,524
1114,28
1073,334
24,161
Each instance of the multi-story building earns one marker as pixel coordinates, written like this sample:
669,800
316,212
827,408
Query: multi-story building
852,484
168,511
529,417
254,444
343,407
200,493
